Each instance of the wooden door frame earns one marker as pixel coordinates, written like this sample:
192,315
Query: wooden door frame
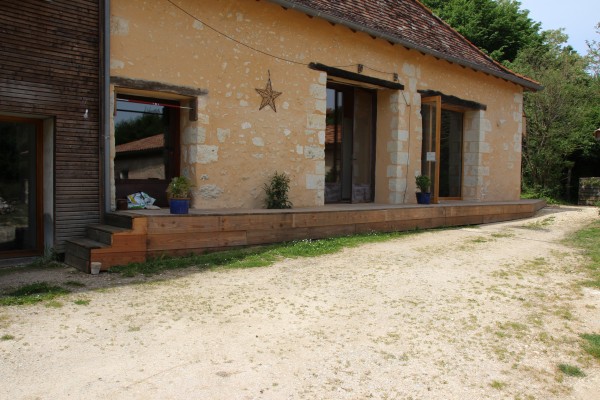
437,100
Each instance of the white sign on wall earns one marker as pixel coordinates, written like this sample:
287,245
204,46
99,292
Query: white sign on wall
430,156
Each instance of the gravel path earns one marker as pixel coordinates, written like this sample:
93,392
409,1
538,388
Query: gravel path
484,312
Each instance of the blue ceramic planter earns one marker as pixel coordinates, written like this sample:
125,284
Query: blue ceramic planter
179,206
423,198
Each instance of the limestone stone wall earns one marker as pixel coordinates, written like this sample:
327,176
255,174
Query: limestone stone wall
232,148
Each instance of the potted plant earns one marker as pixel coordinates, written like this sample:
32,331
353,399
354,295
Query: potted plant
179,192
423,183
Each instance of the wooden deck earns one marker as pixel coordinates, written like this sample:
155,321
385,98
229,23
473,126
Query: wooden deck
135,235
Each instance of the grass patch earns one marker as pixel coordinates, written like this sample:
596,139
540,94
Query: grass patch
592,345
498,385
540,225
588,239
7,337
255,256
82,302
32,293
570,370
54,304
75,284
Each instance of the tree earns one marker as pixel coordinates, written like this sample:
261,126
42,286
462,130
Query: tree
499,28
560,117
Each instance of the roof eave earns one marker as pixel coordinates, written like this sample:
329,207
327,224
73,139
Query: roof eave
357,27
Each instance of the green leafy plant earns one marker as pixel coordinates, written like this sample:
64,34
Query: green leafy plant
423,183
180,187
277,190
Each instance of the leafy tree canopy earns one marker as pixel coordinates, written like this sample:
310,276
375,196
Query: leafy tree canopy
499,28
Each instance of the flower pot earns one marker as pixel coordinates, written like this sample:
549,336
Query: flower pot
423,198
179,206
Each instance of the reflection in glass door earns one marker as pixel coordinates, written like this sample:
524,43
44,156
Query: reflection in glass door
349,144
20,187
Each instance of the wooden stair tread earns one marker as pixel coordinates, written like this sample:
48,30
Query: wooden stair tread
87,243
108,228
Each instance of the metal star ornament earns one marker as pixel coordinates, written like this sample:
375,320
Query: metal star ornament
268,95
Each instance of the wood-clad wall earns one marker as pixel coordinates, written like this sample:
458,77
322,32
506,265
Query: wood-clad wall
49,67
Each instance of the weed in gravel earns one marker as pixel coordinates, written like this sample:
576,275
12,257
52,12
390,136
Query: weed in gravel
75,284
32,293
54,304
593,344
82,302
499,235
570,370
539,225
498,384
7,337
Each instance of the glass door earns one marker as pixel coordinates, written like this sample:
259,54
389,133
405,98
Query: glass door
349,144
451,143
20,187
442,155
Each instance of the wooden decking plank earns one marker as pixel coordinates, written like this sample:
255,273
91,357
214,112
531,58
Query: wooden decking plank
260,221
171,241
183,224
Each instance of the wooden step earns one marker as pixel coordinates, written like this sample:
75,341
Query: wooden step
104,233
119,220
78,252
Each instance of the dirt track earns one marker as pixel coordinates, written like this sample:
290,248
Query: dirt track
474,313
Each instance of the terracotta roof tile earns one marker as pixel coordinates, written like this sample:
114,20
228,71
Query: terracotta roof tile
148,143
410,23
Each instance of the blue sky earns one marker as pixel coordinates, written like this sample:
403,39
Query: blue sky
578,17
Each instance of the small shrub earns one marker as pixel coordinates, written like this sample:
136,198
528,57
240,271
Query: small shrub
277,191
7,337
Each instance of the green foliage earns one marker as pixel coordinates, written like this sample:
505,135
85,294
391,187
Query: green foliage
570,370
32,293
277,191
560,118
180,187
500,28
423,183
256,256
145,126
592,345
7,337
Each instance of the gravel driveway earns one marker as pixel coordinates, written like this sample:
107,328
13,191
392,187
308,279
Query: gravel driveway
484,312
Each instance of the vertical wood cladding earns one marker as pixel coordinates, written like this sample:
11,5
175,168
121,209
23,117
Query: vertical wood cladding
49,67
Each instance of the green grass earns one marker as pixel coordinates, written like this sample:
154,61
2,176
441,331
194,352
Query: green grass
592,345
570,370
497,384
75,284
32,293
7,337
255,256
82,302
588,239
539,225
